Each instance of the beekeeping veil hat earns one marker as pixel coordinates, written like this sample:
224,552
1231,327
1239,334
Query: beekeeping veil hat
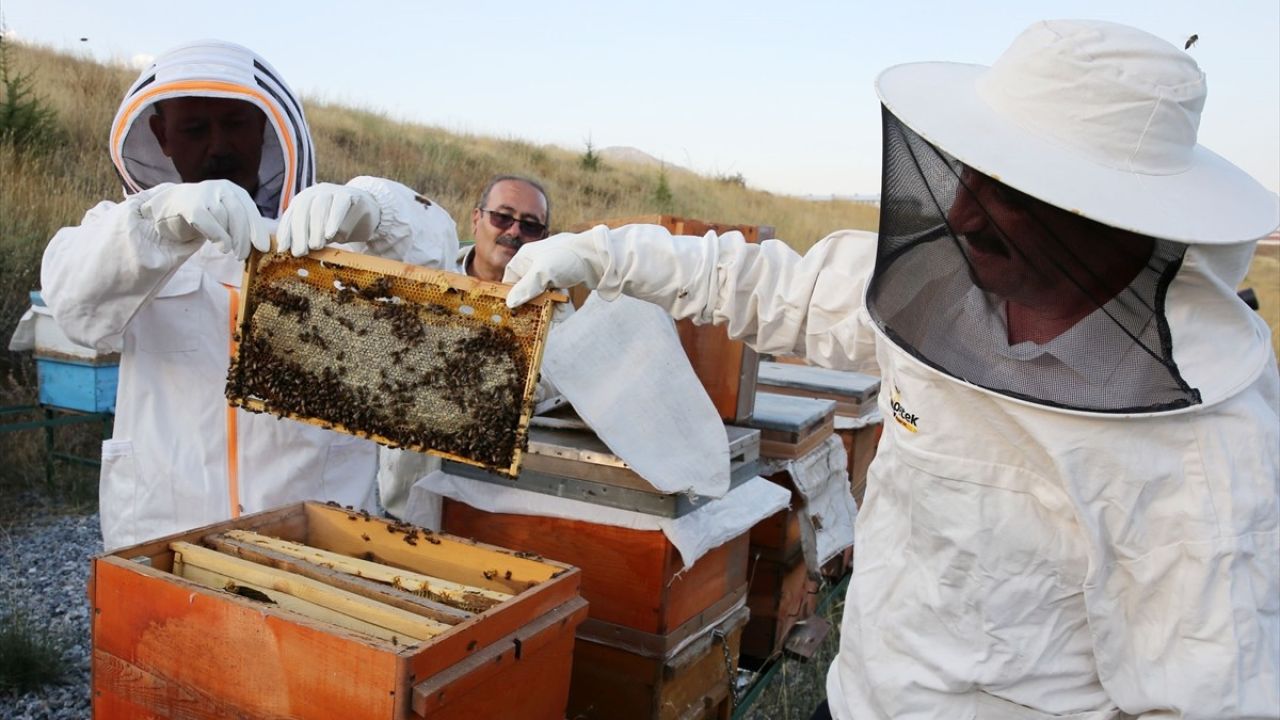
1098,120
214,68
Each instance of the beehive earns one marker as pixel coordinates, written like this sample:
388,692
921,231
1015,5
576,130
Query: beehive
408,356
313,611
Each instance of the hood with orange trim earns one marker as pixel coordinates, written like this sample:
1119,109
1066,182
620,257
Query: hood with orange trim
214,68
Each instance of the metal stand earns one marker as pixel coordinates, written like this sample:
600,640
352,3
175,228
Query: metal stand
748,697
49,418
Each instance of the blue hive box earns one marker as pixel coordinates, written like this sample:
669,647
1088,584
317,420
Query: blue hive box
71,376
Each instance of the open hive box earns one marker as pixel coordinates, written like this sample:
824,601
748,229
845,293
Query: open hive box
314,611
408,356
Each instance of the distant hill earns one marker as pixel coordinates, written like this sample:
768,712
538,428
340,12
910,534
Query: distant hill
865,199
634,156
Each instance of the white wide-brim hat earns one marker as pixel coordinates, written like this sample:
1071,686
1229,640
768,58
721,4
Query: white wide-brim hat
1092,117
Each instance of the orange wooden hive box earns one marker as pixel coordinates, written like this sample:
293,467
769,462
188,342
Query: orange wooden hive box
628,661
658,642
166,646
726,368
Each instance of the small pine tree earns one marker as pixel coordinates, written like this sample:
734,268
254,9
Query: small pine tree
25,119
589,160
662,196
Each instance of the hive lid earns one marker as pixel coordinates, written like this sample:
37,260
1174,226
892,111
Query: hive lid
825,381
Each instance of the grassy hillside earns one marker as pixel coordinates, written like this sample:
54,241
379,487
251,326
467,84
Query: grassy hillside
1264,278
45,190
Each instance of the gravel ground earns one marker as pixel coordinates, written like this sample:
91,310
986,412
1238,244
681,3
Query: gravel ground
43,571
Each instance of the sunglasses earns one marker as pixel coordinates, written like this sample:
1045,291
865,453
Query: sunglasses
528,228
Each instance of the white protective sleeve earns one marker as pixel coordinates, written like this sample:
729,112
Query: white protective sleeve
97,275
766,294
412,228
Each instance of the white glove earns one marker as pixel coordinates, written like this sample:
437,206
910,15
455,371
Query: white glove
215,210
327,213
560,261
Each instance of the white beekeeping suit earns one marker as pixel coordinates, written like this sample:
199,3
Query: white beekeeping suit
179,457
1073,514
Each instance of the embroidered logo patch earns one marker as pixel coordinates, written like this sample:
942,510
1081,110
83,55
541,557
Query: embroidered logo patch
905,419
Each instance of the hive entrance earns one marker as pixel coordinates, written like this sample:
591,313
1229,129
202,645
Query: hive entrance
407,356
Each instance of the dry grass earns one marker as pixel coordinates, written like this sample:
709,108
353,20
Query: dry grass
1264,278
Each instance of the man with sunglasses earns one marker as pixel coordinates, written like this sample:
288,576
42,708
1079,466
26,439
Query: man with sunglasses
1075,511
512,211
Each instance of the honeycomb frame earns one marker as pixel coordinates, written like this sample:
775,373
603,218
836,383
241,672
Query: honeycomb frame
343,341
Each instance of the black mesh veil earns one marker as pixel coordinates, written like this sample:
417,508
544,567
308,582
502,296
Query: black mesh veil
1004,291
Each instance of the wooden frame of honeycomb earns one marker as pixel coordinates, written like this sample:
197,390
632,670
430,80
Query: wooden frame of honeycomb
404,355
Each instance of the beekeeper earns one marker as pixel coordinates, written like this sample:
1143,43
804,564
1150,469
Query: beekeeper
212,147
512,210
1074,512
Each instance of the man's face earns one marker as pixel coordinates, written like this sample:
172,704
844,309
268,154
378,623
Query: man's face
495,246
1032,253
211,138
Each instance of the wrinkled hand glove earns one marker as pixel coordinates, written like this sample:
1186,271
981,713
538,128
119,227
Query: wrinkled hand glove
327,213
562,261
215,210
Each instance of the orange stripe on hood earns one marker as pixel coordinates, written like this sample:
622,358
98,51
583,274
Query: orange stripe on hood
197,88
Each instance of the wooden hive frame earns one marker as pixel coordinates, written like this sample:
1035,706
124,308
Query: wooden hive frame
438,299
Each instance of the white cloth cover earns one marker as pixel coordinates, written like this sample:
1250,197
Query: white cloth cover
693,534
112,285
1017,560
24,335
621,366
398,470
827,519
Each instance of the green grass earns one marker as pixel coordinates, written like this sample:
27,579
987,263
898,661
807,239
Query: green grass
29,656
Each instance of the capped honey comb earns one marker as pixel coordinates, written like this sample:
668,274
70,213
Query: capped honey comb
407,356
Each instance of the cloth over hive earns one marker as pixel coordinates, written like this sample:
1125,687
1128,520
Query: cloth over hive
407,356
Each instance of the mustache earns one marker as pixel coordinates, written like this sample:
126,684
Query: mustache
512,241
221,167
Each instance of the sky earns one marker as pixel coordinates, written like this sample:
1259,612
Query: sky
782,93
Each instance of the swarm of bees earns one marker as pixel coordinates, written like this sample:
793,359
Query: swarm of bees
424,369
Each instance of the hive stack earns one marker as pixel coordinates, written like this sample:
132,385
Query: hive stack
658,642
785,569
857,420
70,376
257,617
